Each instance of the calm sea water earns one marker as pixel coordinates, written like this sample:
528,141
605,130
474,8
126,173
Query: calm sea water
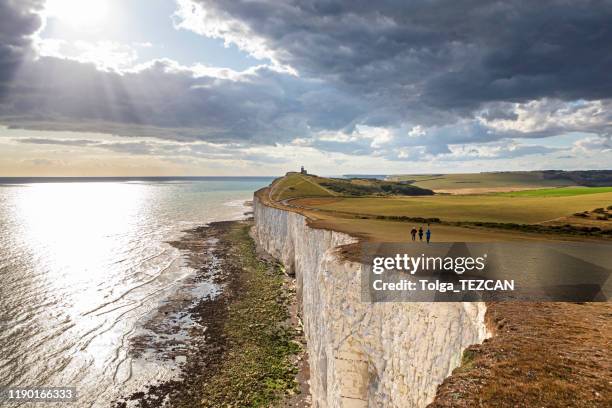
84,264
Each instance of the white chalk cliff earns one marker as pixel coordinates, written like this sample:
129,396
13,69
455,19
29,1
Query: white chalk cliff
364,354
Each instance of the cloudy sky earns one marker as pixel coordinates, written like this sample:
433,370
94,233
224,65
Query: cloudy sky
259,87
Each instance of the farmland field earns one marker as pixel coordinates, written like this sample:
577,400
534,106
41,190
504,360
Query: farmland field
473,208
558,192
483,181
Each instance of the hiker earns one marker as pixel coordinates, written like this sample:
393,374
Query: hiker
413,233
420,233
428,234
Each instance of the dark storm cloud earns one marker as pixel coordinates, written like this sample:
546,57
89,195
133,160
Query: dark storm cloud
18,20
163,99
448,54
169,101
437,73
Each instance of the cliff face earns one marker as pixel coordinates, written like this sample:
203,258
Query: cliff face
364,354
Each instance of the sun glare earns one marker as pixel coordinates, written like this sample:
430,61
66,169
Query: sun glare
78,13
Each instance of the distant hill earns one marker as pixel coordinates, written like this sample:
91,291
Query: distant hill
507,181
366,176
590,178
294,185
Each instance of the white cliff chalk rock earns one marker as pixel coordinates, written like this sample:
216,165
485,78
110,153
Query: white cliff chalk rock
364,354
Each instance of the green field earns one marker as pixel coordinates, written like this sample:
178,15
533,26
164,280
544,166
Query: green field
365,209
527,179
471,208
558,192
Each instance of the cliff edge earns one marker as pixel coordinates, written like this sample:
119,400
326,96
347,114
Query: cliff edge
362,354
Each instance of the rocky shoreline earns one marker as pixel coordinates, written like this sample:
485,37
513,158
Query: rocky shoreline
243,346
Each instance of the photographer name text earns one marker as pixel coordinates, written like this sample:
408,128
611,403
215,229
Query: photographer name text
463,285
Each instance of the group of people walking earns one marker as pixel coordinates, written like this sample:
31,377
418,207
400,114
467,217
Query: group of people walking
414,233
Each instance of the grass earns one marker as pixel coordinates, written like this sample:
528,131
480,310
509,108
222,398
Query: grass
297,185
558,192
376,230
542,355
366,187
472,208
527,179
256,369
470,218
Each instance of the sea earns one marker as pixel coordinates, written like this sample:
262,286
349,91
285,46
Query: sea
84,263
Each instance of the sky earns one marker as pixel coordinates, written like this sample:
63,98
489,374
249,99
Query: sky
260,87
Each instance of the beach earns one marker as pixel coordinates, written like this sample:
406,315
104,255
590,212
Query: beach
244,345
89,269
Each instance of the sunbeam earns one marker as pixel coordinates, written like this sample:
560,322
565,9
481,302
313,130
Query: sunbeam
78,13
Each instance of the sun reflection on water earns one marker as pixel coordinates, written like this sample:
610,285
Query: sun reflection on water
83,265
80,227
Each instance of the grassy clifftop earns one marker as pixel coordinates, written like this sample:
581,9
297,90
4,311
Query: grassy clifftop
515,367
385,211
295,185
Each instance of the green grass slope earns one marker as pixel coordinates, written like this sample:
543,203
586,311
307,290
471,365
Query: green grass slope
295,185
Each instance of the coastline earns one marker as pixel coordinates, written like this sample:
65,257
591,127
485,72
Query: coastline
535,354
244,346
